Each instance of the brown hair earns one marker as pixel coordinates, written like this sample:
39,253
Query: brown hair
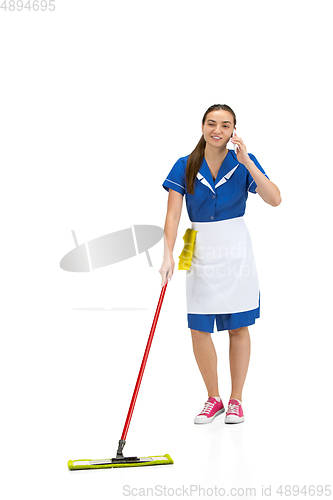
195,159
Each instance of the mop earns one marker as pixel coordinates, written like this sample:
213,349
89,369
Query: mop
120,460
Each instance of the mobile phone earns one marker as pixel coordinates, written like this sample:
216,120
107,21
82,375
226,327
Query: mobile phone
235,145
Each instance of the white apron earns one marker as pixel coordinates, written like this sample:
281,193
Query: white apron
223,277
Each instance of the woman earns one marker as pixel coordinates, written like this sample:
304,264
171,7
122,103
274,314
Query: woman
222,282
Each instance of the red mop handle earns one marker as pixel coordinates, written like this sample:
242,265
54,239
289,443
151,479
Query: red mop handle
143,364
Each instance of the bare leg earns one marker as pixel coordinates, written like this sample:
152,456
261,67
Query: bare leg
205,355
239,356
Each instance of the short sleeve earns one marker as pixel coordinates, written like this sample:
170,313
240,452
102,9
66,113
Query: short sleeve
250,183
176,177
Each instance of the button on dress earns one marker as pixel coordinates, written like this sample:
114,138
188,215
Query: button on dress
222,283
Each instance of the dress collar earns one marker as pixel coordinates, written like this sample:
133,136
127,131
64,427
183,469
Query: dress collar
226,170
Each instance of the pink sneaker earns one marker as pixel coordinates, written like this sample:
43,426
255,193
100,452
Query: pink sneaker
235,413
212,409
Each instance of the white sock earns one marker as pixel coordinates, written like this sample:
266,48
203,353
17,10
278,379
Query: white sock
217,398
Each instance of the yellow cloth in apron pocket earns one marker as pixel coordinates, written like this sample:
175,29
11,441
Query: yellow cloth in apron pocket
185,258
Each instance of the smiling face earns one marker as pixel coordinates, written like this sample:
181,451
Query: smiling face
218,128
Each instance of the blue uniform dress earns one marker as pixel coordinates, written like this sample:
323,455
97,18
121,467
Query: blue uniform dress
219,200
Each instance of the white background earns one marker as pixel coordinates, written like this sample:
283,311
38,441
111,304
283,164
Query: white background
98,101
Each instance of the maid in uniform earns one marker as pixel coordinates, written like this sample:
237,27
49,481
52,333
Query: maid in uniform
221,283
